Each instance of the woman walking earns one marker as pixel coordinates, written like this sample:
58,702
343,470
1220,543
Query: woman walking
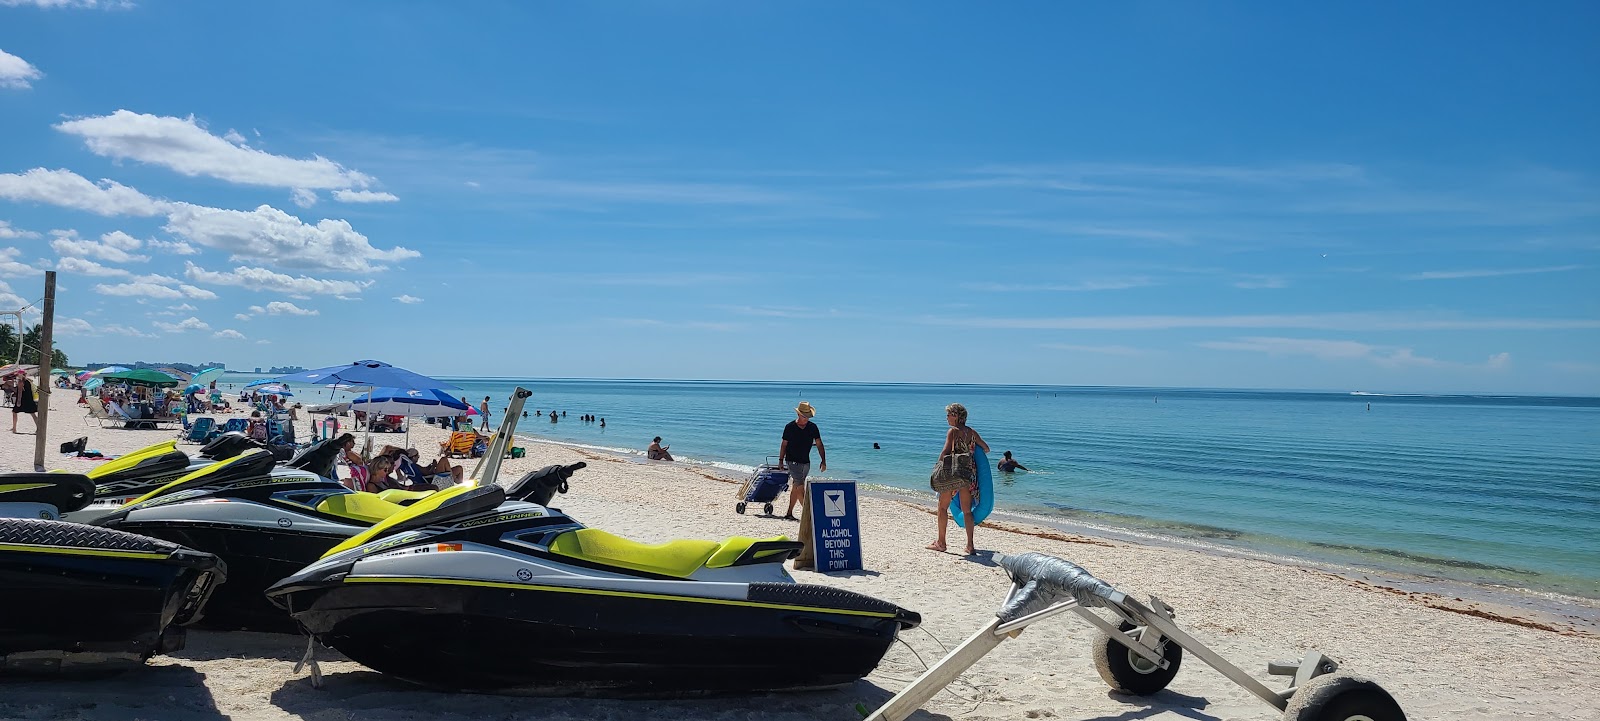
24,402
954,473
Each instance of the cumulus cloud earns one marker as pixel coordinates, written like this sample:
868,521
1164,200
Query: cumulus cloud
241,316
81,327
267,280
8,232
363,196
10,267
408,299
182,145
16,72
269,233
303,197
156,286
279,307
228,333
171,247
69,190
184,307
113,247
187,324
89,267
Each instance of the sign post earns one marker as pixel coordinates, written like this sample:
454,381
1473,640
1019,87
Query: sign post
835,527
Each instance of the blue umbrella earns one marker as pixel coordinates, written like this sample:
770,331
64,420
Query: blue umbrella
206,376
407,402
365,373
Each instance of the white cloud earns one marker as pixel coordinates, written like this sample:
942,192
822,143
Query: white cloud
112,247
263,341
272,234
228,333
408,299
241,316
81,327
16,72
67,189
187,324
156,286
279,307
364,196
172,247
184,307
1253,282
303,197
234,137
1388,356
10,267
8,232
89,267
1101,349
267,280
1487,272
182,145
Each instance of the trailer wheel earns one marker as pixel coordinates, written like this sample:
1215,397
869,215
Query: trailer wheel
1128,672
767,509
739,507
1342,697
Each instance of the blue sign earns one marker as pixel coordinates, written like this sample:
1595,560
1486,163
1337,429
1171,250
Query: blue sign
835,527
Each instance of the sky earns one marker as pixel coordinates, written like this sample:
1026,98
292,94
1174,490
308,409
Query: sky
1383,197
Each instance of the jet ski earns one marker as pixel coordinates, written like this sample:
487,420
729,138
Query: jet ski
266,521
78,598
465,590
136,474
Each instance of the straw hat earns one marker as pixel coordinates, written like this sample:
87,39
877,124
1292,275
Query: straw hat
805,409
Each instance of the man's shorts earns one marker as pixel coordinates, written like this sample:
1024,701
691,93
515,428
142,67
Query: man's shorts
798,473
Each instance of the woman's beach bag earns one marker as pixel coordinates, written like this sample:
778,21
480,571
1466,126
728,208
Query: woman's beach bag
954,472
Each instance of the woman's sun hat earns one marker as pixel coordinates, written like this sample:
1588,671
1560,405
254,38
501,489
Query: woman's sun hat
805,409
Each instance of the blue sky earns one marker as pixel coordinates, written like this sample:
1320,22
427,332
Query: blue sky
1355,196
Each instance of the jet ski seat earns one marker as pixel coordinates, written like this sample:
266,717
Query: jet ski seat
68,492
402,497
363,507
678,559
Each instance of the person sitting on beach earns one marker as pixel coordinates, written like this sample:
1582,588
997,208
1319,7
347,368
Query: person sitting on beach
657,452
432,474
1009,464
257,430
378,479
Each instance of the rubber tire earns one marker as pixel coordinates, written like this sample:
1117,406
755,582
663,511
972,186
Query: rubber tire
1342,697
1115,664
767,509
739,507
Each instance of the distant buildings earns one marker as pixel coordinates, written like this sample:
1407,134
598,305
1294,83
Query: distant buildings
280,370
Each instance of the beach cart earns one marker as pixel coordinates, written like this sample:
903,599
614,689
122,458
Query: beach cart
763,486
1137,649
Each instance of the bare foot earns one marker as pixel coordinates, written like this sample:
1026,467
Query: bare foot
971,550
937,546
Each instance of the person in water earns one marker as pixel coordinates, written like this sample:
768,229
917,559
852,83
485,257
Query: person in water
959,439
656,451
1009,464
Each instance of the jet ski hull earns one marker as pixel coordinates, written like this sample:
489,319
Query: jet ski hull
81,598
471,635
256,559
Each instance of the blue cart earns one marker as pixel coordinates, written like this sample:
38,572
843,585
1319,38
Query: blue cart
763,486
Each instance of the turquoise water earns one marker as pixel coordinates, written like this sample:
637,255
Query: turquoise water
1499,490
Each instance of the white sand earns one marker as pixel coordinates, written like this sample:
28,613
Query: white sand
1441,664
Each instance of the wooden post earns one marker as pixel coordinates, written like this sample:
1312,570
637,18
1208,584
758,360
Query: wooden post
45,366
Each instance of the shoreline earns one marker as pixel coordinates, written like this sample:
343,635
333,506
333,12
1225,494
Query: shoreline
1482,664
1543,610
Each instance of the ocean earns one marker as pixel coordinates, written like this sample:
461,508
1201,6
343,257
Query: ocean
1496,490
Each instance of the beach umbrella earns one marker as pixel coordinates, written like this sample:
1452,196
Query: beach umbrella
409,402
61,371
84,375
274,389
143,377
206,376
93,383
109,369
365,373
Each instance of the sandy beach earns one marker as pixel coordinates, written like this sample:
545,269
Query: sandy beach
1442,657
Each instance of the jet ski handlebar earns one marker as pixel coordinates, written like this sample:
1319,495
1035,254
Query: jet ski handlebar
542,485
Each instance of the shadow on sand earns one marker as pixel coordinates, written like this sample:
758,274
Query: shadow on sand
1159,702
217,645
371,696
168,692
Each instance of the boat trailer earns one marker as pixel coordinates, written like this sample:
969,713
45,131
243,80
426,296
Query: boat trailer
1141,653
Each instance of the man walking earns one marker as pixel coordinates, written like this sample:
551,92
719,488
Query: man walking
483,410
795,455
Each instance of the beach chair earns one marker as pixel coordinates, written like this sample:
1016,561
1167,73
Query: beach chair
200,431
236,425
98,415
460,444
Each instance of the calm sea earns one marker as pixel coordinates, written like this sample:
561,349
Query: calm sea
1484,489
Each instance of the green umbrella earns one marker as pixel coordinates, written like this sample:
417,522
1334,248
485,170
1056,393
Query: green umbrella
142,376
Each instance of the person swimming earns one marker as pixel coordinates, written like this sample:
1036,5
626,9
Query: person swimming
1009,464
